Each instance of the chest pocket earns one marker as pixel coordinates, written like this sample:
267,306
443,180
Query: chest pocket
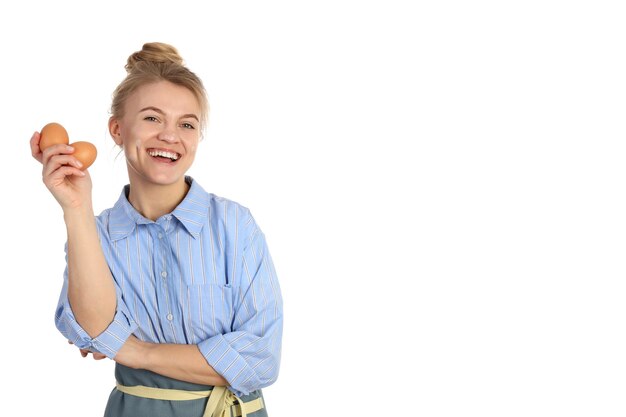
210,310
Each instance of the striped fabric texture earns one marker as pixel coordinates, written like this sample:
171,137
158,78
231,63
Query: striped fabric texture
200,275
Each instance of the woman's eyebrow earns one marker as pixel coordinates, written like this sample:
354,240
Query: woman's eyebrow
158,110
190,115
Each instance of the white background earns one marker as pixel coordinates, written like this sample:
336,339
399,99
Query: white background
441,184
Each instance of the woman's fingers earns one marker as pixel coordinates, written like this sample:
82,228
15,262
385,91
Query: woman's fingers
96,355
34,147
54,150
57,161
58,177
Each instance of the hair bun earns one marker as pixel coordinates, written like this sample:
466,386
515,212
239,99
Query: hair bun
155,52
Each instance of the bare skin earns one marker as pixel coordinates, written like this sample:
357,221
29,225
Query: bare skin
189,365
171,123
91,291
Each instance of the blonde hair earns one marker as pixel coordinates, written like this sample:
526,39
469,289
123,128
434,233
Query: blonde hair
158,62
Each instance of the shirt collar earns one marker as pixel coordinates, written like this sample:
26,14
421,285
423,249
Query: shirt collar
192,213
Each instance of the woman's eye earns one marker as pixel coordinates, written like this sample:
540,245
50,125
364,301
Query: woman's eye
151,118
188,126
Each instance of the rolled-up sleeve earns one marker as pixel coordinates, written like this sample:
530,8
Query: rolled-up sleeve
248,357
109,341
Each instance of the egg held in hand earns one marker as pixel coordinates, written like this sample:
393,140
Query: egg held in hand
54,133
85,152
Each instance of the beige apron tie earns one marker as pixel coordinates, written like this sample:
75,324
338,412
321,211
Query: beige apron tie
221,399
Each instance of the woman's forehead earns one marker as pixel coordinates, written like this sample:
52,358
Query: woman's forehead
166,96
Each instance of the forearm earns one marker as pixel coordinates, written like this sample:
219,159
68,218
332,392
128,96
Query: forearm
91,291
182,362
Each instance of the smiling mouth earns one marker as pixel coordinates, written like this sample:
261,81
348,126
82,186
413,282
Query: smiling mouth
164,155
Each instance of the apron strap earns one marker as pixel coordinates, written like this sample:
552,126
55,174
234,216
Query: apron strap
221,399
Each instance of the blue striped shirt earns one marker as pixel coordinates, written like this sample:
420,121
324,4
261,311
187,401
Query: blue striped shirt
200,275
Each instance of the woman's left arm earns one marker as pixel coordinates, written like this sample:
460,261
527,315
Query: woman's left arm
182,362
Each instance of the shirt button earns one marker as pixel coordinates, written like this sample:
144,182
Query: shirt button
160,235
170,317
164,274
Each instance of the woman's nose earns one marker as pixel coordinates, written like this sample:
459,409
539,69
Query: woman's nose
167,135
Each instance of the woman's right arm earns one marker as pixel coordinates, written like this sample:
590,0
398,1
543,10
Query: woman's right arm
91,290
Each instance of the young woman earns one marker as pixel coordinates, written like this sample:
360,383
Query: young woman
174,284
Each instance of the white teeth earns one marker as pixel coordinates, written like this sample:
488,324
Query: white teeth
173,156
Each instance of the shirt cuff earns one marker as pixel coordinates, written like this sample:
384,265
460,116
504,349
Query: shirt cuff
229,364
109,342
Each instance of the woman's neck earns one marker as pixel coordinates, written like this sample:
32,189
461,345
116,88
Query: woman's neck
154,200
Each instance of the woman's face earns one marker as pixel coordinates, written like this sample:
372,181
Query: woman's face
159,133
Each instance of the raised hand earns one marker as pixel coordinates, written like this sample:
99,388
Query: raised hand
61,174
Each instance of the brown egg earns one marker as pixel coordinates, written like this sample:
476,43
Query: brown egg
85,152
51,134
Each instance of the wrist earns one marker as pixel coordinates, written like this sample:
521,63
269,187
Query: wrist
82,207
78,214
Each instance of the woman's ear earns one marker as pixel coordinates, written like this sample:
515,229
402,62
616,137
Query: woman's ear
114,131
